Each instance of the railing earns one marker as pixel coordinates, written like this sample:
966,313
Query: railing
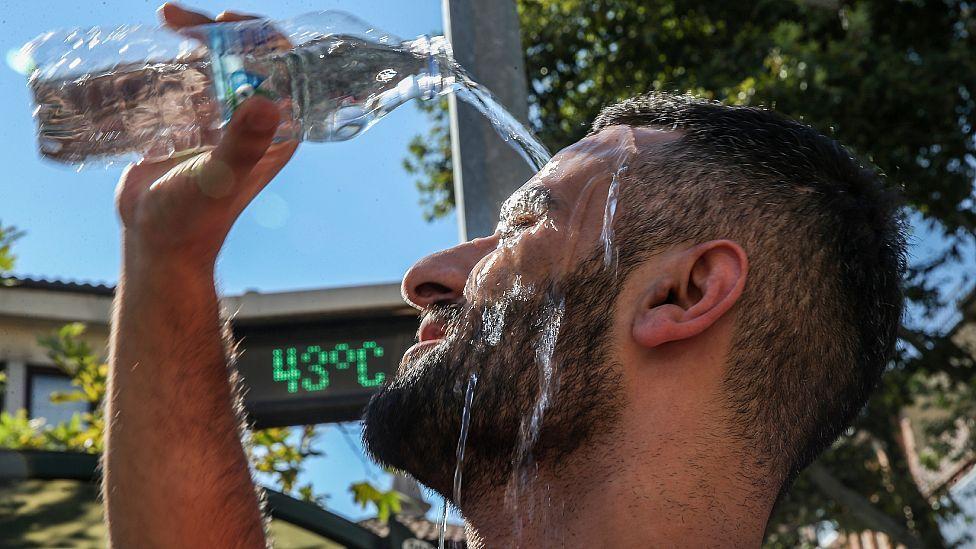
44,465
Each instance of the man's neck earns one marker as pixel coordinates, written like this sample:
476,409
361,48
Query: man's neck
627,493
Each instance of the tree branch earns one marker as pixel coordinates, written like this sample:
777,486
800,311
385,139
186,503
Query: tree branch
857,504
913,338
826,4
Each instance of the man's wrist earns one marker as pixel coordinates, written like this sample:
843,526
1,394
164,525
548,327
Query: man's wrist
144,260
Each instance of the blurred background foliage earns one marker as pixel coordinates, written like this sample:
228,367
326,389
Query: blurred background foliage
8,235
892,79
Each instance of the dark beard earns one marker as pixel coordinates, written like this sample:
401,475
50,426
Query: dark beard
412,423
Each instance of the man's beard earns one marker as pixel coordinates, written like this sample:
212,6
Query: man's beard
412,423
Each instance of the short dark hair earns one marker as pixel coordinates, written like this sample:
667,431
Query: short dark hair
817,322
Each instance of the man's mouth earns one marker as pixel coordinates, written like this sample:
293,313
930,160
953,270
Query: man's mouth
434,326
431,329
430,333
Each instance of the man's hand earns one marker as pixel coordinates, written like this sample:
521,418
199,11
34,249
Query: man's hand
182,209
176,474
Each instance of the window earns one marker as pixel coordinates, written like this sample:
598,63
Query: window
41,383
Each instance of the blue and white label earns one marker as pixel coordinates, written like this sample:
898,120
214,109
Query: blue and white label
230,44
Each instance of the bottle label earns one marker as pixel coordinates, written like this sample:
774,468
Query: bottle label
235,53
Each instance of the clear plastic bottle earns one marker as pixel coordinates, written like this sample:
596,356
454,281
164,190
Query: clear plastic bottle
136,91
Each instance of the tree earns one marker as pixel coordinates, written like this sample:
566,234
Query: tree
8,235
427,160
272,451
893,80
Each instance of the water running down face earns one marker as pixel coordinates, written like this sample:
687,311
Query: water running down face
492,306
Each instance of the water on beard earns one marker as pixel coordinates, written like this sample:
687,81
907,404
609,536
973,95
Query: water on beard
525,467
459,456
523,484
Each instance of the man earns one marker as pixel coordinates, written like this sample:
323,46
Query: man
653,374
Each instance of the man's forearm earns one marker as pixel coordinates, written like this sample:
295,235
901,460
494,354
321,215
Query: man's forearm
176,474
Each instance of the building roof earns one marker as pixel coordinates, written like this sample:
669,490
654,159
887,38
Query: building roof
85,302
31,283
421,528
54,502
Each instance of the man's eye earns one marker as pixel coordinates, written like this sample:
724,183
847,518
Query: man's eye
522,221
516,225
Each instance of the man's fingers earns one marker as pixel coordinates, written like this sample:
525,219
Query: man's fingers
150,171
278,42
177,17
248,136
229,16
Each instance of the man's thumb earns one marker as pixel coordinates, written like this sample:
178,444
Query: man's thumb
248,136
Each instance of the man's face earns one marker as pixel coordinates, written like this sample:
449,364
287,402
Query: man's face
529,311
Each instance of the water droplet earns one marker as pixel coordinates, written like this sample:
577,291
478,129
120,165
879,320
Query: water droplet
607,234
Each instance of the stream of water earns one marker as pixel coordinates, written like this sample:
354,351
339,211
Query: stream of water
459,463
507,126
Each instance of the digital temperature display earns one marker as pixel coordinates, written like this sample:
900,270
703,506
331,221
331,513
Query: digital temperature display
317,369
313,373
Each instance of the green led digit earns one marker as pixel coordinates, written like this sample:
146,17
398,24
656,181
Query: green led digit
352,356
316,359
362,356
341,348
284,367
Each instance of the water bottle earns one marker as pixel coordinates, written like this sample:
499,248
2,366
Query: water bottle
143,92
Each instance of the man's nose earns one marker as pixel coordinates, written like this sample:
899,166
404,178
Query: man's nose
440,277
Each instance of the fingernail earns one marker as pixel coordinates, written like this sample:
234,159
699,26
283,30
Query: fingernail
167,6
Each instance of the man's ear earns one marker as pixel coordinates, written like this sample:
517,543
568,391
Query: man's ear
699,285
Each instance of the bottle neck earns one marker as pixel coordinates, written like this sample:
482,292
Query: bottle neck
438,76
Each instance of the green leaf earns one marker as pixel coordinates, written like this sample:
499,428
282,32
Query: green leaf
386,503
8,236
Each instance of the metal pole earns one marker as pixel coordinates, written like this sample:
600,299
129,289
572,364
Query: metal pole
485,37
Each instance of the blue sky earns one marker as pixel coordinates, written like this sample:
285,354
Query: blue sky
339,214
